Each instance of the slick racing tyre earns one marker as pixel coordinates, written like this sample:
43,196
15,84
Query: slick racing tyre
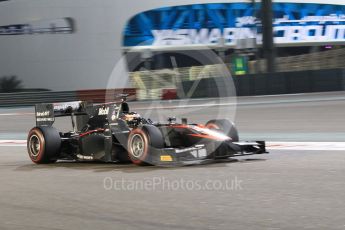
43,145
141,141
224,126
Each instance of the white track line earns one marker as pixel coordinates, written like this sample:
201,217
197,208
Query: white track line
318,146
294,146
15,114
12,143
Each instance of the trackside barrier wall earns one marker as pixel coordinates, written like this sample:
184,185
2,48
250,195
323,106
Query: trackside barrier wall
248,85
270,84
106,95
32,98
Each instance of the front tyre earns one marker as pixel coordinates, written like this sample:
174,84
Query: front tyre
141,141
43,145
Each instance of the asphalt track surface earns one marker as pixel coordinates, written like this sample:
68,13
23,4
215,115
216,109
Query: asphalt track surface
290,188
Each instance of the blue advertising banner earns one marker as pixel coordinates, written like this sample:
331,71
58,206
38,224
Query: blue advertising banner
206,24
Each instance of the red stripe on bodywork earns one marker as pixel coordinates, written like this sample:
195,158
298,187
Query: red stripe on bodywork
208,137
181,126
92,131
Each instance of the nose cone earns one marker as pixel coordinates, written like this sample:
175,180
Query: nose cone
206,133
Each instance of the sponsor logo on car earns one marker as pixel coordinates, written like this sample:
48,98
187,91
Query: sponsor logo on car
45,119
103,111
197,151
43,114
63,106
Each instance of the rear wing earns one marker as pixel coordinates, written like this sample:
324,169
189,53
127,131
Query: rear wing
46,113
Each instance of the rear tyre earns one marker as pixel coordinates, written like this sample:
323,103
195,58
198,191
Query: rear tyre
224,126
43,145
141,141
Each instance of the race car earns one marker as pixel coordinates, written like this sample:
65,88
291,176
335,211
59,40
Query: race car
110,132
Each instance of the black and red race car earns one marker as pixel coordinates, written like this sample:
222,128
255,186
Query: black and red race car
112,133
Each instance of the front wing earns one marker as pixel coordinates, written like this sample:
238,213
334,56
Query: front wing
205,153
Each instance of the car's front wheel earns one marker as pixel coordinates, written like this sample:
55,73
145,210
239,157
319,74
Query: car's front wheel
142,141
43,145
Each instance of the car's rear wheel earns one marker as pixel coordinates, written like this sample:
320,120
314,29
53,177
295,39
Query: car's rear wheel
142,141
43,145
224,126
